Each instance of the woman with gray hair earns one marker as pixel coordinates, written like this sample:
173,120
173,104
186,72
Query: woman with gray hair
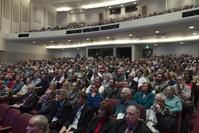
172,102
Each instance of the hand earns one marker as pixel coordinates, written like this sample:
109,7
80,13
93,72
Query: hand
63,130
93,94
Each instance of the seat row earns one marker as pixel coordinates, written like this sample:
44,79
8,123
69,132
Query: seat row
12,120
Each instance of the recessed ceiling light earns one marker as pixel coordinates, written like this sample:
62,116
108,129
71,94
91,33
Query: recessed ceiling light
155,44
130,35
88,39
69,40
157,31
162,36
147,47
122,5
194,33
134,2
191,27
34,42
109,7
52,41
107,37
181,42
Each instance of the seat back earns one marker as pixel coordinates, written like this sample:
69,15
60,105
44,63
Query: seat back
10,117
21,123
3,109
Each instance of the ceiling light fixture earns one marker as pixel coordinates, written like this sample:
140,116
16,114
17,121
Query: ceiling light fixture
107,37
191,27
128,41
157,31
130,35
69,40
194,33
61,9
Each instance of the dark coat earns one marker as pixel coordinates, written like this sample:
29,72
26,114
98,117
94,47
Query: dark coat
48,109
63,114
120,126
30,101
85,117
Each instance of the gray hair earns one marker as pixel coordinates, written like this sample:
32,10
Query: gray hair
41,121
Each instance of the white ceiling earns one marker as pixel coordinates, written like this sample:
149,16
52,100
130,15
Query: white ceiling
70,3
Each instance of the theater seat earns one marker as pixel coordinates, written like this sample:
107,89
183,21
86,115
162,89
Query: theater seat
21,123
3,109
9,119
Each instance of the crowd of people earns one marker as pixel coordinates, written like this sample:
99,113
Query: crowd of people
112,20
104,95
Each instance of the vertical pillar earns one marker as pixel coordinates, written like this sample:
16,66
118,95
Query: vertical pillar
114,52
132,52
86,52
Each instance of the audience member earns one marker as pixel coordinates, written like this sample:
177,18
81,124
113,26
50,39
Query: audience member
38,124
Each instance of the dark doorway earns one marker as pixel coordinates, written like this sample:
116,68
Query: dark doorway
123,52
100,52
147,53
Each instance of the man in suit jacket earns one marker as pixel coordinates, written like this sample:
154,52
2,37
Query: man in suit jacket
131,122
63,113
29,100
81,116
47,103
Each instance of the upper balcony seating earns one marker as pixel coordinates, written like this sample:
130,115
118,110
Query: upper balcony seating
111,20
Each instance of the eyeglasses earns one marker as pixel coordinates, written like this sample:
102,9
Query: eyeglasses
131,114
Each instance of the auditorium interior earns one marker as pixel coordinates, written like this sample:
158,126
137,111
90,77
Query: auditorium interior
62,48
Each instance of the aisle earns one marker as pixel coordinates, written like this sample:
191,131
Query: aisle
195,124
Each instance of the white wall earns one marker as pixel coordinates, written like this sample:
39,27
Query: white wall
92,15
62,18
179,3
13,20
186,48
39,15
154,5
